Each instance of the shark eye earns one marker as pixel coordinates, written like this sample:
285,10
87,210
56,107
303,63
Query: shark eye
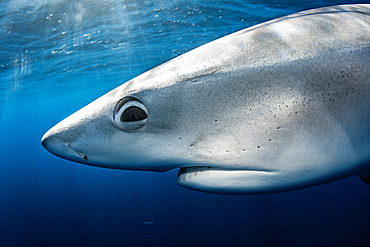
130,114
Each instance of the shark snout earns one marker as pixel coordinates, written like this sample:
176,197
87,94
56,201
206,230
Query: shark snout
56,145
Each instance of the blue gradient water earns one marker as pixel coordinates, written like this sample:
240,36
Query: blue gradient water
57,56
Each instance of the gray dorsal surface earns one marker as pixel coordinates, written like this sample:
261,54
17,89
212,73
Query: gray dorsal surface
279,106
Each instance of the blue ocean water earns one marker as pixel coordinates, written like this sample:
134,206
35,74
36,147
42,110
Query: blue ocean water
57,56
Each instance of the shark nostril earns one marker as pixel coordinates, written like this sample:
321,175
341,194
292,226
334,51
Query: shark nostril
79,153
82,155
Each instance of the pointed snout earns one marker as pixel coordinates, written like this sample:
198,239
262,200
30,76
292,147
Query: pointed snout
54,142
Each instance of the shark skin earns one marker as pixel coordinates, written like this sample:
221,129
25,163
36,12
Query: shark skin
275,107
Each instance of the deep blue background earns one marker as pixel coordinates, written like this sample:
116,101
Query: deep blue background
57,56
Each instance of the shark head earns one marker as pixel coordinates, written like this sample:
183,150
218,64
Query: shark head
271,108
121,130
154,122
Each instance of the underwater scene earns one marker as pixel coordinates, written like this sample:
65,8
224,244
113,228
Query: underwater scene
57,56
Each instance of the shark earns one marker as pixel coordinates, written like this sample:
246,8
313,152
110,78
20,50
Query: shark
275,107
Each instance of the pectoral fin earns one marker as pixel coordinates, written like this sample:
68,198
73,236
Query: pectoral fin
227,181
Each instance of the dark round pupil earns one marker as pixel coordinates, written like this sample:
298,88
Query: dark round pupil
132,114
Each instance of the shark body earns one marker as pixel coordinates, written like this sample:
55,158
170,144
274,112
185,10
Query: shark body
276,107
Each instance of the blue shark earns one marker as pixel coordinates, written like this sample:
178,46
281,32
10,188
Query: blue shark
279,106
